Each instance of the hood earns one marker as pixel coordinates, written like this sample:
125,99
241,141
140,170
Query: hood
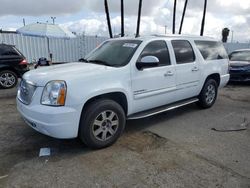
239,63
66,72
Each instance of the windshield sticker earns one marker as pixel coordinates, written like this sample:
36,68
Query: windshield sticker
130,45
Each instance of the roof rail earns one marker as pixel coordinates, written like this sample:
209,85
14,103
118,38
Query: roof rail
181,36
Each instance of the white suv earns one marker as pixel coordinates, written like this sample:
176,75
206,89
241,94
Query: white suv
125,78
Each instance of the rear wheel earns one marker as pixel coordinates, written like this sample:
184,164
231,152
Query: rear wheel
102,123
8,79
208,94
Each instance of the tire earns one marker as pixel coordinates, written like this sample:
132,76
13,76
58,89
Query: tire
8,79
208,94
102,123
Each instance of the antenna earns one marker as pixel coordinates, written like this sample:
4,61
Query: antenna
108,18
138,19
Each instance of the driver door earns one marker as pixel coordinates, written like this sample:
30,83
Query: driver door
154,86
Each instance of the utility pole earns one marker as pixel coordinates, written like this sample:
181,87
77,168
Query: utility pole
232,36
165,26
53,19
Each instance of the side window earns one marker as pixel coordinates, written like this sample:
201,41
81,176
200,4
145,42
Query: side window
158,49
7,51
183,51
211,50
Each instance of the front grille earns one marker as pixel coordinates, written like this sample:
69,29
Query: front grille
26,91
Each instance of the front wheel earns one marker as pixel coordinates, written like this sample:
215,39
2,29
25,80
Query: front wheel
101,123
8,79
208,94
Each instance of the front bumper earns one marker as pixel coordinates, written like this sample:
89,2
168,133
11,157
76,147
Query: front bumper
57,122
240,77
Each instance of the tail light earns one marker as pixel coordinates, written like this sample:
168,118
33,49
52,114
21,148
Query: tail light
23,62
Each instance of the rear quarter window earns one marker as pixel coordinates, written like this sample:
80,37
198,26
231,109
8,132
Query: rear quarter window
211,50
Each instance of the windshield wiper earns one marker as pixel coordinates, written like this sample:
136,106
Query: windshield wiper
96,61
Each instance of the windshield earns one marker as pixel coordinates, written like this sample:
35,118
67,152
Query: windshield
114,53
240,56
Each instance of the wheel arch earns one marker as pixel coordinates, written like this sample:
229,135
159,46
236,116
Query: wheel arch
10,69
214,76
118,97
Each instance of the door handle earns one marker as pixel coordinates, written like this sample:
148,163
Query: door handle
195,69
168,73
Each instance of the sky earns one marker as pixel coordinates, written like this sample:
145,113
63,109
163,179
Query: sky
88,16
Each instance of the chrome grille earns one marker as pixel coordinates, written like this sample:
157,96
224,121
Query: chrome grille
25,92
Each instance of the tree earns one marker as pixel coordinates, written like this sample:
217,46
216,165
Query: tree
174,13
139,19
225,33
183,15
204,18
108,18
122,18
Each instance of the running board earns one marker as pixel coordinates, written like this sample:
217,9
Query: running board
161,109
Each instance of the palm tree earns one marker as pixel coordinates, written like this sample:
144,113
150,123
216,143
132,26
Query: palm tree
183,15
138,19
204,18
108,18
174,13
122,18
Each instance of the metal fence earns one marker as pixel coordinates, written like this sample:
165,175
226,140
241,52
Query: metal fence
63,50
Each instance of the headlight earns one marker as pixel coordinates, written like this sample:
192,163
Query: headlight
54,93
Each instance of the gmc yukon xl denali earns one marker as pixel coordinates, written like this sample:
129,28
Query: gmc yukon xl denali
125,78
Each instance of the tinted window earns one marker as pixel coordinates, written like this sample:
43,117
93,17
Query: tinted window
240,56
158,49
183,51
211,50
6,50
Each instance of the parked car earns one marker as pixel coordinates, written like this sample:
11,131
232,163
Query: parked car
12,66
42,62
240,65
126,78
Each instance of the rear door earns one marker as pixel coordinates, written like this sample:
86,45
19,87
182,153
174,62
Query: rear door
187,69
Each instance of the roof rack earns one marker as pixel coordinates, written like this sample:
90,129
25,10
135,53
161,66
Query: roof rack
181,36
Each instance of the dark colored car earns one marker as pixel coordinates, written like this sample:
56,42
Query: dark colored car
240,65
12,66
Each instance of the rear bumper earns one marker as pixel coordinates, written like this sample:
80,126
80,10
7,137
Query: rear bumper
21,71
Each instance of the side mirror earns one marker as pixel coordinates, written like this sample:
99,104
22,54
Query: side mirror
147,61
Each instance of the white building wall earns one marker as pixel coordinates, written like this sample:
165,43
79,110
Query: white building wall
63,50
